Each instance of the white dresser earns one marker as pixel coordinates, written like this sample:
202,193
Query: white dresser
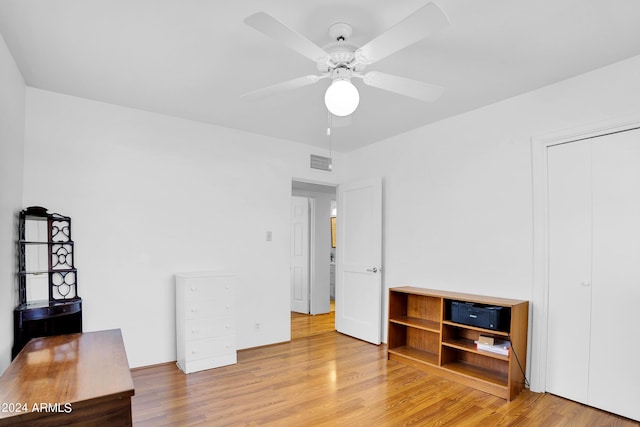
205,320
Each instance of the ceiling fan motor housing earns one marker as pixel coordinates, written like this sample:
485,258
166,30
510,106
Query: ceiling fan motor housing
341,53
341,73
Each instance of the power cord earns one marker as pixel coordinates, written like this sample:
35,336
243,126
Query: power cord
526,381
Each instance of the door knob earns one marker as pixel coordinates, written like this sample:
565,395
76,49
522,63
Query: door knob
372,270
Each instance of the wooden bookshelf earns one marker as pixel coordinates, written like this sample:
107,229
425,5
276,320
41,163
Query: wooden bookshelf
422,334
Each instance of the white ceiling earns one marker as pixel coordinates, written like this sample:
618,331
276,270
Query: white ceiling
194,58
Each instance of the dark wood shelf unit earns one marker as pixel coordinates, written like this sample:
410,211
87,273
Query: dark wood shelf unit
49,235
422,335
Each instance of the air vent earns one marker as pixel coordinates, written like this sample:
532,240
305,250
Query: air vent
321,163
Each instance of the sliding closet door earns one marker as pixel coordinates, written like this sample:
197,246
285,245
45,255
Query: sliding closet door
569,168
614,375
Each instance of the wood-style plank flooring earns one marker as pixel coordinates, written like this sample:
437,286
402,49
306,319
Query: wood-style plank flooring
305,325
330,379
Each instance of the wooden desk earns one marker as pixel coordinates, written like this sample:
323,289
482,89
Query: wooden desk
75,379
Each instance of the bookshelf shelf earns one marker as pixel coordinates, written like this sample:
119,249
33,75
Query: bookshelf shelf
478,373
415,322
415,354
475,328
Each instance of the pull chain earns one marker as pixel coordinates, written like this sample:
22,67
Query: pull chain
329,124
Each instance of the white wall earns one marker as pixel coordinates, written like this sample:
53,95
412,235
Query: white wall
12,90
150,196
458,193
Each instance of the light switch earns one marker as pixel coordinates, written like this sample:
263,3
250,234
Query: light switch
269,236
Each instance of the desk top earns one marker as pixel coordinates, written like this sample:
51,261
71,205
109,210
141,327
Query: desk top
67,369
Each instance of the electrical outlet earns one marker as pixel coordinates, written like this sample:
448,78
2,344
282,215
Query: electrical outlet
269,236
258,326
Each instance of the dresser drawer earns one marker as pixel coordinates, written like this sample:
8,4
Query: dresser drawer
208,288
206,309
210,347
196,329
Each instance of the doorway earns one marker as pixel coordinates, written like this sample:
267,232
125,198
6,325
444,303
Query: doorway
301,208
320,258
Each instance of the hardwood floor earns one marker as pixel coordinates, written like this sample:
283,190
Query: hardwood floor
305,325
330,379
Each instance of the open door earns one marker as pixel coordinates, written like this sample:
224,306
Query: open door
300,254
359,260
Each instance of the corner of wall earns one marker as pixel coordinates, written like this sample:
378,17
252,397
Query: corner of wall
12,129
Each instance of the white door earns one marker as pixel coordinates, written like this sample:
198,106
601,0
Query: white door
568,337
614,375
594,272
359,260
300,254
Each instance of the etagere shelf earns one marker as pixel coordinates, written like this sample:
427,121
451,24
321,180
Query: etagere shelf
422,334
48,300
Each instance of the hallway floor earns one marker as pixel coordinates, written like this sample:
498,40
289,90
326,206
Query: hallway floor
306,325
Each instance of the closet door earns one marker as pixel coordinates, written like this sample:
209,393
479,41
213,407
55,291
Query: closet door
569,169
594,272
614,374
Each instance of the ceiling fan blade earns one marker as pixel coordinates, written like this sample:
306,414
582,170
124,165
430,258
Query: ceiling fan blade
413,88
412,29
279,87
271,27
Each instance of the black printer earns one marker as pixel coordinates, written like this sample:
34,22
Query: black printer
482,316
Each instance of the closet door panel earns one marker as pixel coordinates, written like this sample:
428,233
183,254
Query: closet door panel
569,169
614,375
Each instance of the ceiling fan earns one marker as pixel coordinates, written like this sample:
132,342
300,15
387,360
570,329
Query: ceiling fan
341,60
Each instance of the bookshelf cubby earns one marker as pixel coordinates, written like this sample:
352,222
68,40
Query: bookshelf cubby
422,334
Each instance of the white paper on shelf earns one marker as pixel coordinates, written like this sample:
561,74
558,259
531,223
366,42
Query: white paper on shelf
499,347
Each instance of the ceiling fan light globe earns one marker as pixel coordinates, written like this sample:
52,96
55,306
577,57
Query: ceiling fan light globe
341,98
